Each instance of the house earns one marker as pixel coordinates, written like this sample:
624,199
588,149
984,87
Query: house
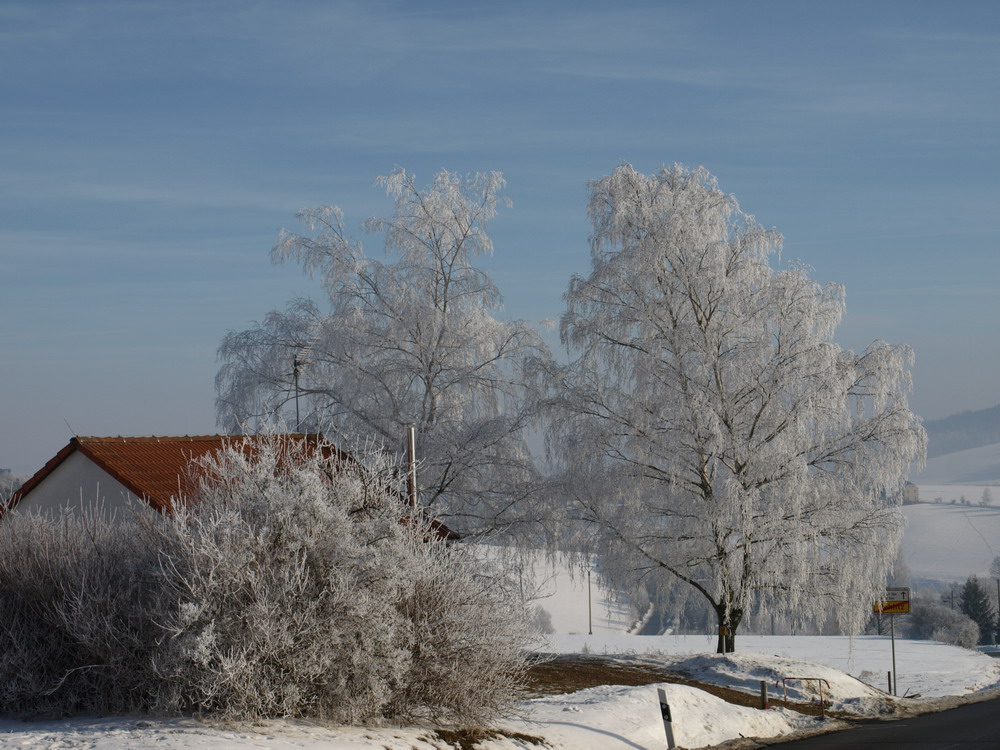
114,472
911,494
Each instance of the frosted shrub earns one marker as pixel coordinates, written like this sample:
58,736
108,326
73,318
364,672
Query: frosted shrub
936,622
293,585
285,596
78,607
303,594
467,632
541,620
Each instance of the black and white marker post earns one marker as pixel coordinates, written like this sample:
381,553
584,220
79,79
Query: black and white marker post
667,721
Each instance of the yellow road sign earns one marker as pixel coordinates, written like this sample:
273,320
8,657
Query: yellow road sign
896,602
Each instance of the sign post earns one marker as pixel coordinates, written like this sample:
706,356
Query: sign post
895,602
667,721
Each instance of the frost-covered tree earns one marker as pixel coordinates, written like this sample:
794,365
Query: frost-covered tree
709,428
409,342
977,605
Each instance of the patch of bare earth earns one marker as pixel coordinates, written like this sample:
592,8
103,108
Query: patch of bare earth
564,674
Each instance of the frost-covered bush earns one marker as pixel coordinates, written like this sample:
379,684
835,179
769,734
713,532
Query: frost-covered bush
936,622
302,593
79,606
468,629
294,584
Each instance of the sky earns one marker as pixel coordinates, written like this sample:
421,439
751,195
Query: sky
150,153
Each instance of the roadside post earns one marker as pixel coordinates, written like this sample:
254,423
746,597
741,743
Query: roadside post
590,609
667,721
895,602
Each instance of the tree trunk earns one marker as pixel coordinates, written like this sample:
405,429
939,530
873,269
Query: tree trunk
729,620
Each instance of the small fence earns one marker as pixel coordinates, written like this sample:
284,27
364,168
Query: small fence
818,680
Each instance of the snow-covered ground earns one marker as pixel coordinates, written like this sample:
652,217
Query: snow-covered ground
925,667
950,542
616,716
945,542
574,602
602,718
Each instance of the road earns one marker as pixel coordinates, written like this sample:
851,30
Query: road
972,727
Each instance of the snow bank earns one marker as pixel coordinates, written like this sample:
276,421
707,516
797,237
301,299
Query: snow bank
179,734
801,682
923,667
602,718
611,717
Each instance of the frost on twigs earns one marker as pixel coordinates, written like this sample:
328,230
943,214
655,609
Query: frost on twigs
290,586
413,340
78,613
710,430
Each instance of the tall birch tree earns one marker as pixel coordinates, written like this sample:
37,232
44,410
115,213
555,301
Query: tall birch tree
708,426
412,341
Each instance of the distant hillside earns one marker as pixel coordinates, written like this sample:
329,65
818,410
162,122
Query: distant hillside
945,542
959,432
973,466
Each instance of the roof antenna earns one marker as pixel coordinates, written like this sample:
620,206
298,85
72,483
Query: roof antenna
71,430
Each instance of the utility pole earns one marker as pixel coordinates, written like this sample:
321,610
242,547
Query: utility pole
296,365
411,465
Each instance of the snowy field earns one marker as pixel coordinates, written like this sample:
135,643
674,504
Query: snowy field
945,542
950,542
574,603
602,718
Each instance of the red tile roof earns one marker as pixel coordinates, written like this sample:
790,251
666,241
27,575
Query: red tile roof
156,468
152,468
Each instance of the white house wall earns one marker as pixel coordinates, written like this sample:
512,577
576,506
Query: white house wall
77,483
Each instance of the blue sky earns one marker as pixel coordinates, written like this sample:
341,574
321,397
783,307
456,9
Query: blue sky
152,151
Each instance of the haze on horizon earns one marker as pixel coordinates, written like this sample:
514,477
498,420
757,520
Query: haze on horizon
153,151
